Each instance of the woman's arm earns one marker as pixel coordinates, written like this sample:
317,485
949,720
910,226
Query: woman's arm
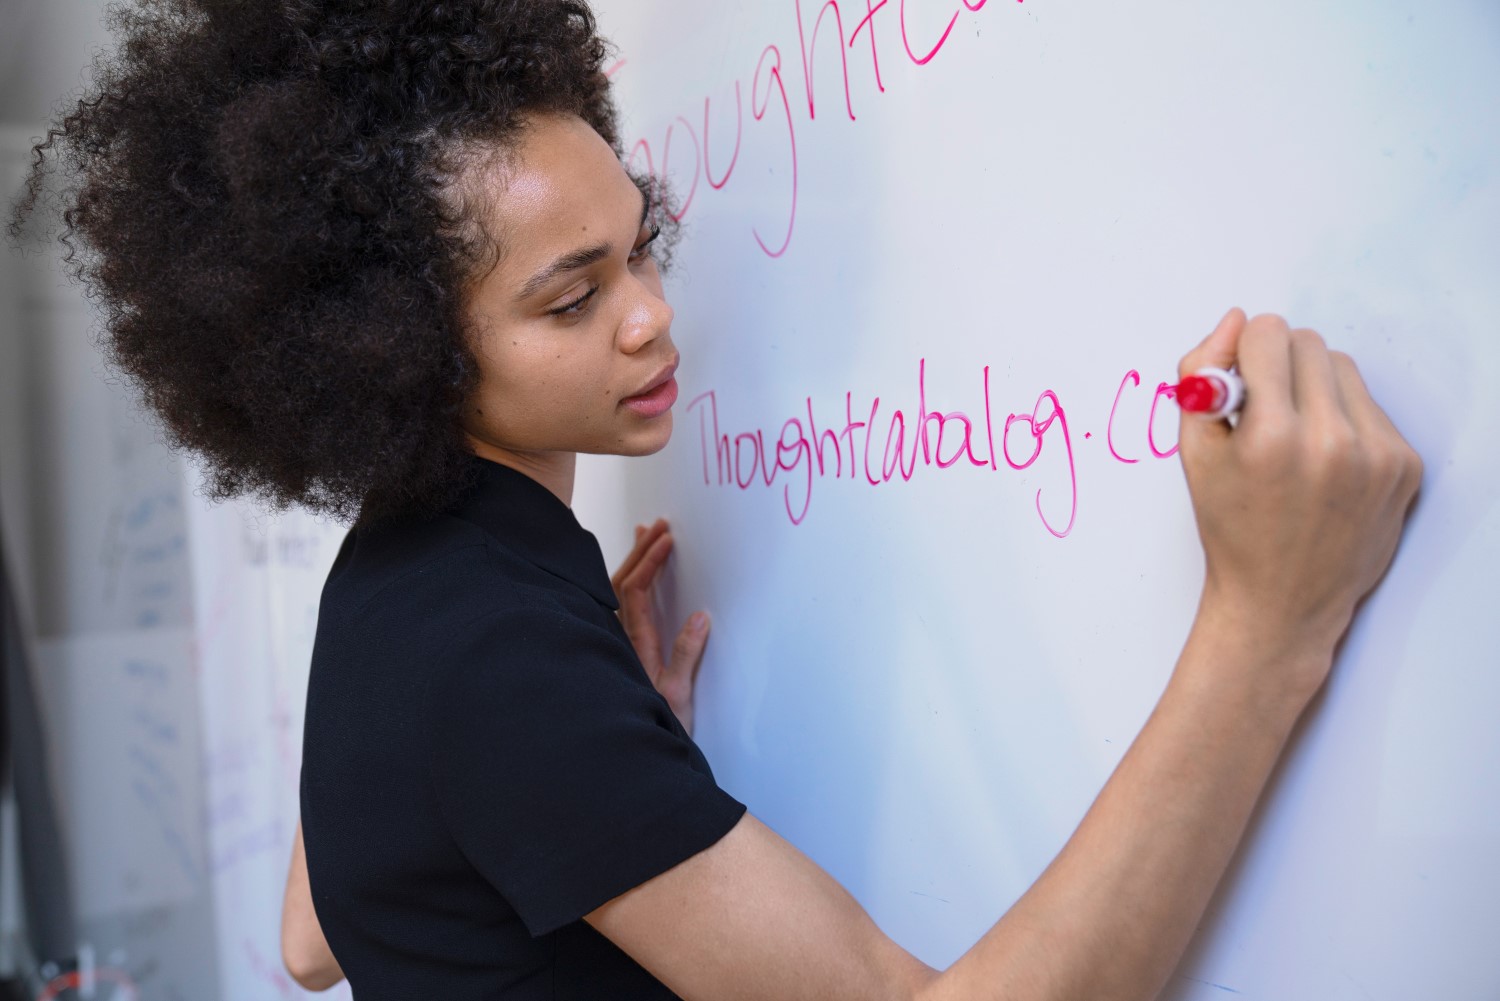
304,950
1300,508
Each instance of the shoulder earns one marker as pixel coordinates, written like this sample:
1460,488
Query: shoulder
443,576
540,649
398,555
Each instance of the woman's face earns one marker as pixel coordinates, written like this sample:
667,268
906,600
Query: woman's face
575,348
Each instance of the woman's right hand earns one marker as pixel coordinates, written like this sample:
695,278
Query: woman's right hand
1301,503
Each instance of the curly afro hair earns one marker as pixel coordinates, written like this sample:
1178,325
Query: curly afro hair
269,199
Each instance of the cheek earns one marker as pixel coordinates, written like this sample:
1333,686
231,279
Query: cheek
497,378
524,385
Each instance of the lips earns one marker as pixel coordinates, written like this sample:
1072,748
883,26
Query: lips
658,396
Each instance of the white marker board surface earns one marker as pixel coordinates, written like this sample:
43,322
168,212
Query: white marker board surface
925,665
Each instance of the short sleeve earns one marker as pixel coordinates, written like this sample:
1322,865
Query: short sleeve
560,772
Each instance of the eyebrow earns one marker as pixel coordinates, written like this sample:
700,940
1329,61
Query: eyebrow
575,259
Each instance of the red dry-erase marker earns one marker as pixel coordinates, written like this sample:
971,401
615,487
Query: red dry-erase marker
1212,392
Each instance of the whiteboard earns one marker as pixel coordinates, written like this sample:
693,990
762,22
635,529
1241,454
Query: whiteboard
924,666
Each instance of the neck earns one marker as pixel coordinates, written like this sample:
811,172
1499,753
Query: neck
553,470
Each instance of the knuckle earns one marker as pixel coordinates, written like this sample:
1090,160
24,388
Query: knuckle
1387,465
1351,381
1338,465
1414,465
1405,467
1338,446
1307,339
1346,374
1267,323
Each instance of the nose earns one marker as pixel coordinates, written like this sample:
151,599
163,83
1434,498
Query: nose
649,317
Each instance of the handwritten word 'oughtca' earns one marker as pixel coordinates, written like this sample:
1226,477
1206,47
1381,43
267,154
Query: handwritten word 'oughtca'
768,96
882,446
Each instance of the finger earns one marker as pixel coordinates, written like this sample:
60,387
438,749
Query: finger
687,649
1315,391
1372,423
1366,415
640,626
634,554
634,591
1265,362
643,574
644,538
630,558
637,614
1217,350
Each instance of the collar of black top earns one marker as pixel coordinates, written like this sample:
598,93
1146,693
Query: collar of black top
530,520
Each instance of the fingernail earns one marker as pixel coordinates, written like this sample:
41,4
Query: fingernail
698,622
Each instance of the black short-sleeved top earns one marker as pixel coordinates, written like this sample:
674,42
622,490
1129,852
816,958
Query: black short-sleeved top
485,760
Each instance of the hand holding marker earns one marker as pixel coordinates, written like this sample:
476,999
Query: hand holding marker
1213,392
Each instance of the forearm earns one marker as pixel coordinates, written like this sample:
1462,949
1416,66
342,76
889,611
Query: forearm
1110,918
304,950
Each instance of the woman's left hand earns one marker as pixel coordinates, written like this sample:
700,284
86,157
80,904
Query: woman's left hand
633,586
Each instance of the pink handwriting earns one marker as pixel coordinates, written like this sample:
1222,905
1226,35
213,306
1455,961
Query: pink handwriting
739,128
760,112
768,88
894,445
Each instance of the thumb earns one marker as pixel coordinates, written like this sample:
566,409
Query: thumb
1218,350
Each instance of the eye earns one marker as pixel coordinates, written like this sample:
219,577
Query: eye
576,307
643,249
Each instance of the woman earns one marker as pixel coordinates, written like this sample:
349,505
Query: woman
380,257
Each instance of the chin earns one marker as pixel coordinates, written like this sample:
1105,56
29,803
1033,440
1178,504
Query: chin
649,441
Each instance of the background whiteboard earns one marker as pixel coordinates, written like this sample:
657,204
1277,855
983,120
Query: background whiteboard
919,684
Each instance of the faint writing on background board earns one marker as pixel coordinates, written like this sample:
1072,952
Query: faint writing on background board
155,740
144,556
289,547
